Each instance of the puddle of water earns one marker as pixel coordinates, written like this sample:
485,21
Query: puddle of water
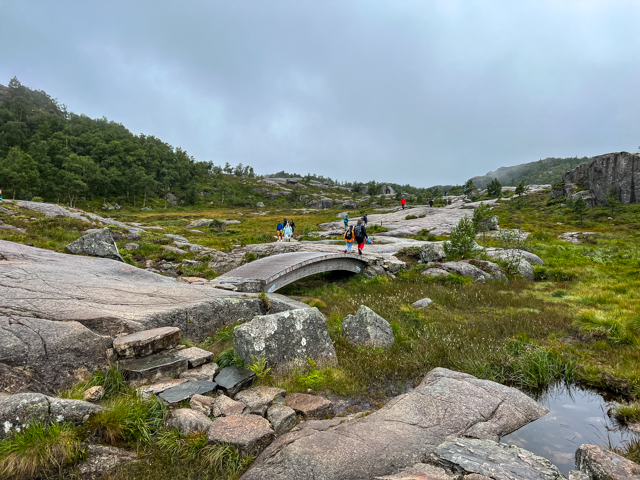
575,417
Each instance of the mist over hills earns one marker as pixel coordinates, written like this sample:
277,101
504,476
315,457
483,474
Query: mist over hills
546,171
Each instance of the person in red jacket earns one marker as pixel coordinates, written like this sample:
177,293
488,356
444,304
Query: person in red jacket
403,202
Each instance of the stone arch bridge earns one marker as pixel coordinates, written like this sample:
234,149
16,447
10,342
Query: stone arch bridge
271,273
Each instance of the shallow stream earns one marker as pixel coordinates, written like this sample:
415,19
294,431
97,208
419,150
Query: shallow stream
575,417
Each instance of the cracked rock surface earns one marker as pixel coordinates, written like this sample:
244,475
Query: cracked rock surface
60,313
409,428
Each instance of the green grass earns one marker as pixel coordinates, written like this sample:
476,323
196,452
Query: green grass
40,451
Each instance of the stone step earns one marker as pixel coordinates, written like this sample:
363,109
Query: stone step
186,390
146,342
233,379
153,367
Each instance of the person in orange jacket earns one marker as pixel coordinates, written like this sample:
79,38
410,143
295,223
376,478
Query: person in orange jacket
403,202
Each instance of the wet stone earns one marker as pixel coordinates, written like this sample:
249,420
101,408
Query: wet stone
196,356
153,367
233,379
186,390
147,342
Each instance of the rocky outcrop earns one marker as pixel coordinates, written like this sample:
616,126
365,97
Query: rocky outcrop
22,409
286,339
620,170
97,244
494,460
366,327
600,464
60,313
410,427
467,270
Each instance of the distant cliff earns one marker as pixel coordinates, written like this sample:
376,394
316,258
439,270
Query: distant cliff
547,171
620,170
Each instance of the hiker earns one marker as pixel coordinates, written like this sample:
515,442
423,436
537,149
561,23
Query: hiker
346,222
293,226
431,202
348,238
360,234
365,219
288,232
403,202
284,222
279,229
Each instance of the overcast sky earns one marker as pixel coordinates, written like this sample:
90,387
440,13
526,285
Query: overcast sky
420,92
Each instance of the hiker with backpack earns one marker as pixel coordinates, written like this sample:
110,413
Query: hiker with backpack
293,226
279,229
360,234
403,202
431,202
288,232
365,220
348,238
346,222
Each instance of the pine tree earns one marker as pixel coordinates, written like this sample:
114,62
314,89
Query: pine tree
494,189
579,207
520,189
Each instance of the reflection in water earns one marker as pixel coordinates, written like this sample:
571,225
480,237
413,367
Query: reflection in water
575,417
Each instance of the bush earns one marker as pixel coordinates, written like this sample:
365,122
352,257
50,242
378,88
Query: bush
37,199
376,229
461,239
410,217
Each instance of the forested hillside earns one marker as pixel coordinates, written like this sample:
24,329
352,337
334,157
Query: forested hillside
48,152
542,172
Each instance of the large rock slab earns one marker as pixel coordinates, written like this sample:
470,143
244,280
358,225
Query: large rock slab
146,342
248,433
512,254
366,327
494,460
286,339
22,409
60,313
601,464
446,404
97,244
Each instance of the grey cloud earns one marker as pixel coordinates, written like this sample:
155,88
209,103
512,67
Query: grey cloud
410,92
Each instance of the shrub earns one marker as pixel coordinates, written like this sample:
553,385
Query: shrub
217,226
228,358
37,199
410,217
376,229
461,239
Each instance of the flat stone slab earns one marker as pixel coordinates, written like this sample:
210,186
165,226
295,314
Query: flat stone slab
233,379
310,407
407,429
250,434
495,460
281,418
186,390
196,356
146,342
153,367
146,391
